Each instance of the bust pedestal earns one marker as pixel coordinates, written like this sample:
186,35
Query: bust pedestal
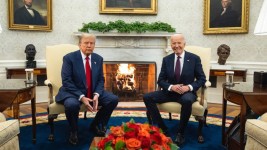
30,64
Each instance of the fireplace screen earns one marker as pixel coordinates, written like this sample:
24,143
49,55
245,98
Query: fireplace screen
130,80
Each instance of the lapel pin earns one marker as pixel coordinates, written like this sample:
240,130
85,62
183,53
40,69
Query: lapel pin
94,62
188,60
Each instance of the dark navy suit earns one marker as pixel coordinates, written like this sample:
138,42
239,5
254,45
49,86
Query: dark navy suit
74,85
192,73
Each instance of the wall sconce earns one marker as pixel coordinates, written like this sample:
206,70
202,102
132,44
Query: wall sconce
261,25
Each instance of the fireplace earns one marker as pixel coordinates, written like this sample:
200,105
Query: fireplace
129,80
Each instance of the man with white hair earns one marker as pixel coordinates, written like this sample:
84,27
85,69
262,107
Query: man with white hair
27,15
226,17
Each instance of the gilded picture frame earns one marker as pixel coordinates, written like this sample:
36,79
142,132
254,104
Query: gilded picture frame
232,20
35,16
128,7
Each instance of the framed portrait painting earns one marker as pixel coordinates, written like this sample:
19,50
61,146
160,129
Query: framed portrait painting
226,16
128,6
30,15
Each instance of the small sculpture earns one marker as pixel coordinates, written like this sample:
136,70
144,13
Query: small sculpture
30,54
223,52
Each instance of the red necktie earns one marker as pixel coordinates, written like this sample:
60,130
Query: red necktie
88,77
177,69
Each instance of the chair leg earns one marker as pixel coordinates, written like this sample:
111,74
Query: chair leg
85,117
202,121
205,115
51,124
170,116
149,117
200,138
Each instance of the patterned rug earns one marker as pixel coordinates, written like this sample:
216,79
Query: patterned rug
124,112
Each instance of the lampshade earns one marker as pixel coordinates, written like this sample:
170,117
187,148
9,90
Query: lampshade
0,29
261,25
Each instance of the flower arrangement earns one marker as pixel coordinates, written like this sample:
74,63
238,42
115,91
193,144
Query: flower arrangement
135,136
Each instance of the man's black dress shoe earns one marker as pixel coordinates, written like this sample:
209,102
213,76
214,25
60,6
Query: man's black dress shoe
179,139
98,130
73,139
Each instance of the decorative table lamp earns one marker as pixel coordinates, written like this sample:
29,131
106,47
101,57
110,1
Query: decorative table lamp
261,25
229,78
29,76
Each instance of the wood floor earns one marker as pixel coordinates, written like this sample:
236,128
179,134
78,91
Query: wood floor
25,109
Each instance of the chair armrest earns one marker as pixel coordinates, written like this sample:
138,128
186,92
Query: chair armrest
50,92
207,84
2,117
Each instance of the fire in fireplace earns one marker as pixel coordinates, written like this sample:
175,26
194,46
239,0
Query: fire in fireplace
130,80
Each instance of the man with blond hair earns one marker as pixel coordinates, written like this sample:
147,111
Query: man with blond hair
83,83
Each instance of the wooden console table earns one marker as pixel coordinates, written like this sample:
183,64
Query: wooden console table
13,92
221,72
21,71
247,96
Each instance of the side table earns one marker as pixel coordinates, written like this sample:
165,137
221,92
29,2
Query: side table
13,92
247,96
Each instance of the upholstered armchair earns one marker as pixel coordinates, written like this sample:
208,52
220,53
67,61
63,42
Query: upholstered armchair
9,131
54,60
199,108
256,131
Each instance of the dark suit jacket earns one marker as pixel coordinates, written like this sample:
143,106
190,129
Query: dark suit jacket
192,72
73,76
22,16
229,19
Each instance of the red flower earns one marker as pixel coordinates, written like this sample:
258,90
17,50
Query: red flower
145,142
132,136
155,137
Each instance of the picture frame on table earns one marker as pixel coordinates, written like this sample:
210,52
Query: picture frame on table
128,7
31,16
233,19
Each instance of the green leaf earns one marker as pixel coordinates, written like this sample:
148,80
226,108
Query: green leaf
132,120
93,148
119,145
123,27
109,148
174,147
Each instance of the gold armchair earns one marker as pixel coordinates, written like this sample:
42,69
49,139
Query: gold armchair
199,108
54,60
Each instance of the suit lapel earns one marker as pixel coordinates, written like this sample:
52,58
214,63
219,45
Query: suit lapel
186,63
94,66
80,66
171,63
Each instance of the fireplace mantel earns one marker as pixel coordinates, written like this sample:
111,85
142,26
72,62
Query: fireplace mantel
133,40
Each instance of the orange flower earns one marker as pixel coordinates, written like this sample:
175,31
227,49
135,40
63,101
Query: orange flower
117,131
135,136
145,127
164,139
156,147
133,144
144,133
